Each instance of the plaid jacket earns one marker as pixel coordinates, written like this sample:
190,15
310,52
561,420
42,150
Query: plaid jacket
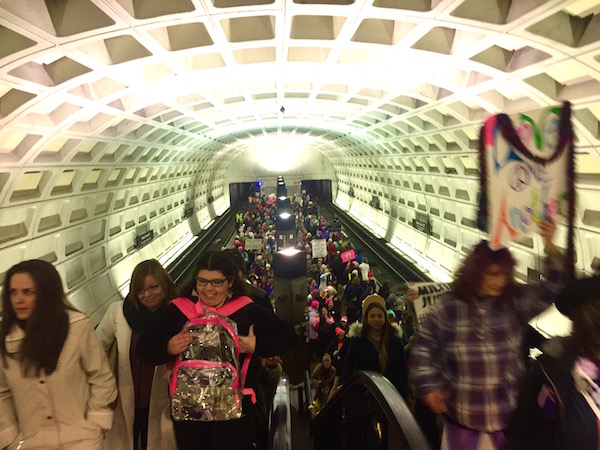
472,350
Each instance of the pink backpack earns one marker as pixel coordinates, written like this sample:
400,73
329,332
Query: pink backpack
207,382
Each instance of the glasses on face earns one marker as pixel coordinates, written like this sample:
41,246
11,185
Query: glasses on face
152,289
214,283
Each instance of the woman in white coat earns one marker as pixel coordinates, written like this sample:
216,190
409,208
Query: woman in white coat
142,417
56,388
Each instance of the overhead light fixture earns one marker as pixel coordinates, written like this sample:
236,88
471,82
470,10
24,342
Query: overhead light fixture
285,215
290,251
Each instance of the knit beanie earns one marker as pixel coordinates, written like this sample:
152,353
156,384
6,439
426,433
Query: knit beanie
373,299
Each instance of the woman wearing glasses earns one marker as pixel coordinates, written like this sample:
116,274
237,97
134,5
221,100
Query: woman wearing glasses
142,416
261,333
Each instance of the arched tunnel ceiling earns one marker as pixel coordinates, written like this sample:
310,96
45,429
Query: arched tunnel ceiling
207,74
97,96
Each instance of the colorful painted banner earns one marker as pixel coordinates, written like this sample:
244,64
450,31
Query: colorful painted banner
526,173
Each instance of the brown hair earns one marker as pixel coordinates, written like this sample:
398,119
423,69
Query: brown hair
586,323
221,262
470,275
162,277
386,335
47,329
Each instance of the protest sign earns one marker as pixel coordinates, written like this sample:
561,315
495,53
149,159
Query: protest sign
348,255
253,244
526,170
426,293
319,249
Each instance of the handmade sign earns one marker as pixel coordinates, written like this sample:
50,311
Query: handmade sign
423,296
253,244
348,255
319,249
527,173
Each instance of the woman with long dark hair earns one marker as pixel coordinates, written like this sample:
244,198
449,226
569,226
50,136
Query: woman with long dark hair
467,355
376,344
261,334
141,419
56,388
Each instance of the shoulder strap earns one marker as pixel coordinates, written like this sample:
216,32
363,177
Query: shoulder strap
186,306
234,305
191,309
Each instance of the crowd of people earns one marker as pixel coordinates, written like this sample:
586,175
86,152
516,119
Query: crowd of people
462,371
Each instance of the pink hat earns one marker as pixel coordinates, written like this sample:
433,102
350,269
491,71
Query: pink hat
338,331
344,319
314,304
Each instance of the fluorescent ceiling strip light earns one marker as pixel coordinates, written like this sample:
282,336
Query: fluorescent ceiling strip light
174,252
436,272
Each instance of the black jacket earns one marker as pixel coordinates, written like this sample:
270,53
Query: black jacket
273,336
572,425
361,355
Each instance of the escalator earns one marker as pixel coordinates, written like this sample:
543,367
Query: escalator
390,264
367,413
218,235
280,423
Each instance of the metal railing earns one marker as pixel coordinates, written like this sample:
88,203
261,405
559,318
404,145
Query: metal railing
402,268
367,413
181,268
280,426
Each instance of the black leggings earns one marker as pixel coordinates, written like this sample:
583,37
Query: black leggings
140,429
224,434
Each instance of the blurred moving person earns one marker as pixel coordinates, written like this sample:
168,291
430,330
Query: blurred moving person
467,359
559,407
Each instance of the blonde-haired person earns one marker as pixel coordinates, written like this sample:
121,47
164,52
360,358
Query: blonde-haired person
142,416
56,388
376,344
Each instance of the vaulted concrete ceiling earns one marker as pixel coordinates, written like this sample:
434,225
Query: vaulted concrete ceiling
113,106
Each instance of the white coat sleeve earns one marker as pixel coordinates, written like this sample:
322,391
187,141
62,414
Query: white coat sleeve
9,426
106,329
103,389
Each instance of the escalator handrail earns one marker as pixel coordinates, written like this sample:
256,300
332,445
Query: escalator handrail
389,400
307,391
186,261
280,427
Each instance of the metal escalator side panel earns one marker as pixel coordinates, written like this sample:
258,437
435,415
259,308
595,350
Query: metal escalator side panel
370,413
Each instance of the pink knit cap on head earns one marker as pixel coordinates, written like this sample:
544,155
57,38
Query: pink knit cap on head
314,304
